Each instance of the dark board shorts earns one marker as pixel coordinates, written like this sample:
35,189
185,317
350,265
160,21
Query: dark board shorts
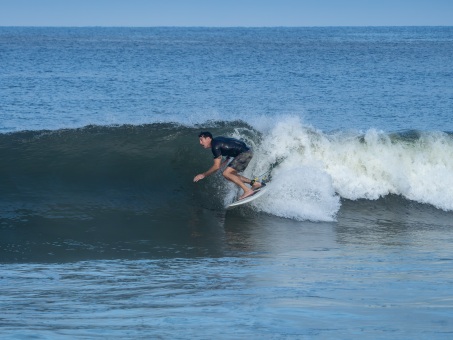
240,162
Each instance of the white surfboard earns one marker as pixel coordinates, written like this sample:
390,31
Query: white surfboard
248,199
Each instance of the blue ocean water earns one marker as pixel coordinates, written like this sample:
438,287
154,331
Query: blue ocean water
104,234
333,78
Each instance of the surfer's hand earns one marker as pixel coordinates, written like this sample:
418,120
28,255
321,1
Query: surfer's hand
198,177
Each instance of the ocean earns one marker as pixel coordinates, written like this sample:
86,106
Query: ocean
104,234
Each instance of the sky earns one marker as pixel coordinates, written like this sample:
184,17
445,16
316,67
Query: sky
226,13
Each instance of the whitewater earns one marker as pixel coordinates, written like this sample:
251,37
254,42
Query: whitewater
370,165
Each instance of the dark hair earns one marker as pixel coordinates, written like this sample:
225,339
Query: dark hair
205,134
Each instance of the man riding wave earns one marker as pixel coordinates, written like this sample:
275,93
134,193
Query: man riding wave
230,148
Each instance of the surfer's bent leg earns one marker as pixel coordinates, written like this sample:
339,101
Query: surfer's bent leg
239,164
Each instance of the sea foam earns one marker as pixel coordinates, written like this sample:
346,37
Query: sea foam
311,170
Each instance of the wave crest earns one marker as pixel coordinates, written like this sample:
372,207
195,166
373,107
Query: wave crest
370,165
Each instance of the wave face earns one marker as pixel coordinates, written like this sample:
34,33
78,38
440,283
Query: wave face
149,168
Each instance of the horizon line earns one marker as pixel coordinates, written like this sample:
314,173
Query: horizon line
203,26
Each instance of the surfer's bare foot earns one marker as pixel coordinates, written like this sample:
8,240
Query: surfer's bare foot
247,194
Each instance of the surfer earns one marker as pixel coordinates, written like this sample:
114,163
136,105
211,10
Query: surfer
229,147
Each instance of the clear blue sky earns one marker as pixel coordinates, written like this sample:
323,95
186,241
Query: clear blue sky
226,13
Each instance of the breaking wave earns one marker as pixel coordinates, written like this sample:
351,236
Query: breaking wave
149,168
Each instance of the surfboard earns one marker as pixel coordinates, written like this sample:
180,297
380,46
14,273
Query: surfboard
259,192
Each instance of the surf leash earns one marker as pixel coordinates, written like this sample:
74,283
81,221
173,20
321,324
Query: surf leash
263,179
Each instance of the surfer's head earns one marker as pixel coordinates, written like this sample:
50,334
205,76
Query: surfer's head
205,134
205,139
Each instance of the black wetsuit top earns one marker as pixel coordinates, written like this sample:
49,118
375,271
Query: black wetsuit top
224,146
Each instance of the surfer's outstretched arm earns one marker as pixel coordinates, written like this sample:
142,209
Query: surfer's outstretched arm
212,169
